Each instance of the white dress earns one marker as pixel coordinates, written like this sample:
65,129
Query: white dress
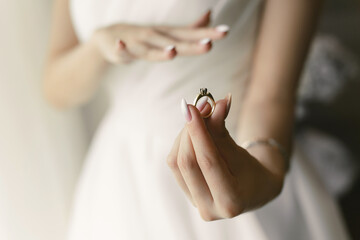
126,190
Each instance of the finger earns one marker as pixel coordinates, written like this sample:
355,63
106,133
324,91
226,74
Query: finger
161,39
216,122
124,56
206,110
172,161
192,175
213,167
149,52
203,21
196,34
201,104
183,48
194,48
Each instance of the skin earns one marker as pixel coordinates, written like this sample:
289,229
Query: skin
67,85
212,169
219,177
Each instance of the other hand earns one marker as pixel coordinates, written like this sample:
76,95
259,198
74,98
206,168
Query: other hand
124,43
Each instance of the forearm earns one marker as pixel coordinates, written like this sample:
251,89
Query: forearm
72,77
268,119
268,110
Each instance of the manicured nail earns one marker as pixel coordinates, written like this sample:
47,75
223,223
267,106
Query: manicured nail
120,44
222,28
205,41
185,110
169,48
201,103
228,104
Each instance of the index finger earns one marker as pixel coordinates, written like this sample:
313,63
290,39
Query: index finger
212,165
172,162
196,34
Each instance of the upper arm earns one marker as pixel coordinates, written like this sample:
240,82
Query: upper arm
62,34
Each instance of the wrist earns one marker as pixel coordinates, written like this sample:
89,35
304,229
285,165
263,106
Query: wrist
95,43
270,158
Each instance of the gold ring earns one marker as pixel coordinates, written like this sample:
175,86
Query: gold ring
205,93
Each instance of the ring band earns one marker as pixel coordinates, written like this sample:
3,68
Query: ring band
205,93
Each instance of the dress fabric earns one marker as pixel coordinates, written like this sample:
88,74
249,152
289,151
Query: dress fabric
41,149
126,190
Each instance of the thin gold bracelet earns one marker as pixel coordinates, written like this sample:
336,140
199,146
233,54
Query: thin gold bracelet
266,141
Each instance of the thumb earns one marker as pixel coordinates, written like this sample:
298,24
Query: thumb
203,21
216,122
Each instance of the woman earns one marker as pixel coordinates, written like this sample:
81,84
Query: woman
126,190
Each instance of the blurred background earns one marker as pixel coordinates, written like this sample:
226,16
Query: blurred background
41,148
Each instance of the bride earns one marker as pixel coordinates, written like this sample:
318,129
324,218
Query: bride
150,55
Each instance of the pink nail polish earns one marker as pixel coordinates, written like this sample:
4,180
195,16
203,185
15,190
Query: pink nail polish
185,110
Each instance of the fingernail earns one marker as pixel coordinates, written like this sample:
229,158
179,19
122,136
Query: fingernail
201,103
205,41
228,104
185,110
120,44
222,28
169,48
